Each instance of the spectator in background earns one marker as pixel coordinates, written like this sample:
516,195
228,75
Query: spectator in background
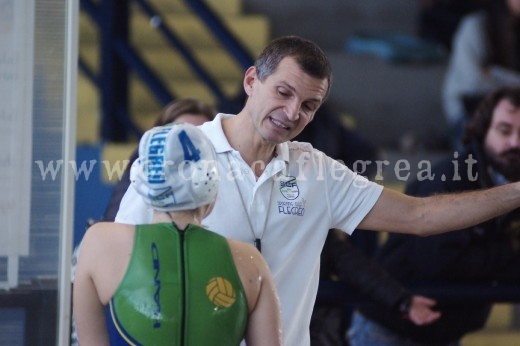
486,253
187,110
486,55
171,281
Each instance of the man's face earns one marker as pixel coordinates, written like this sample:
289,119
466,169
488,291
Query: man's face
502,141
285,102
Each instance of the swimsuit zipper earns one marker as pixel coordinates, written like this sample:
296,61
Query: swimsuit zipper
183,288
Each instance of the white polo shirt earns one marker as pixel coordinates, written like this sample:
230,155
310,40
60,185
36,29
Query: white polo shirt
301,194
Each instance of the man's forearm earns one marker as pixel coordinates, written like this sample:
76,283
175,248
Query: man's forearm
399,213
448,212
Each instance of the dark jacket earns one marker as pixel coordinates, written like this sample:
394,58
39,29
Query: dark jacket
341,260
478,254
362,279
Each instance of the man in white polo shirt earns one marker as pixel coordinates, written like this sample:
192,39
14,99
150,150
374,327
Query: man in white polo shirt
284,196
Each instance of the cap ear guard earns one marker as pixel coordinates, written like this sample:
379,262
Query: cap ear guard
204,180
176,168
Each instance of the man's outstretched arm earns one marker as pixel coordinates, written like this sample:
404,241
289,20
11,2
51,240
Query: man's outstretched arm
397,212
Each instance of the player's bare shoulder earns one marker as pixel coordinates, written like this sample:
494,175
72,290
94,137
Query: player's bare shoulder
251,268
247,255
107,239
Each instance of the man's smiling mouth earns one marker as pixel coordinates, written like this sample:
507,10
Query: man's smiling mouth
279,124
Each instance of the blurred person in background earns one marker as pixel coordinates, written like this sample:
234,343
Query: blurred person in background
486,253
485,56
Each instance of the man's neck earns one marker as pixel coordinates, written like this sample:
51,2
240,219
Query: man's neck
243,137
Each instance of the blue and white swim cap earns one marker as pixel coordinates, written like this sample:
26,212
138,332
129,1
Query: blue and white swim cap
176,169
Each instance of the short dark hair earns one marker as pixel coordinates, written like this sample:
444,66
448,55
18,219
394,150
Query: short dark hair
478,126
309,56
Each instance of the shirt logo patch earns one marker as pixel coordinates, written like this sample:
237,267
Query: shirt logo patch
289,188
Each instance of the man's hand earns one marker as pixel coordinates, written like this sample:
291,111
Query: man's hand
421,312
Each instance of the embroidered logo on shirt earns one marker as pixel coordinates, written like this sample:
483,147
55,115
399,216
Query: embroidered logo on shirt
289,187
290,191
221,292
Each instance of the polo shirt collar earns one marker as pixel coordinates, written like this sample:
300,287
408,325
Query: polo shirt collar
282,151
213,129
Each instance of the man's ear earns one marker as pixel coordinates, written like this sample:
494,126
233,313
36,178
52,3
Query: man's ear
249,79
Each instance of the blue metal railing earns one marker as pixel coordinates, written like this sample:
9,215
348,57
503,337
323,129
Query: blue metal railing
181,48
132,59
219,30
119,58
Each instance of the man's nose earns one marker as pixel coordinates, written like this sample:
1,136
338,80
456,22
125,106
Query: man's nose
514,140
292,110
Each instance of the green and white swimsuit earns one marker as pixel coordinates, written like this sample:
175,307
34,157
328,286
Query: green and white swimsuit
180,288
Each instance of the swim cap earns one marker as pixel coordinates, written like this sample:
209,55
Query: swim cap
176,169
